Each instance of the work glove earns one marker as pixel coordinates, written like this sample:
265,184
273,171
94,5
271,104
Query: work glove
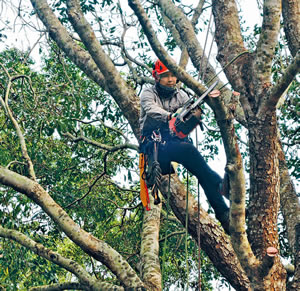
172,115
178,111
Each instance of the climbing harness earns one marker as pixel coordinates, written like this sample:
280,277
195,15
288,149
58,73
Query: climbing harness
155,170
150,171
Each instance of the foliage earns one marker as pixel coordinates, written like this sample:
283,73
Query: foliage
71,126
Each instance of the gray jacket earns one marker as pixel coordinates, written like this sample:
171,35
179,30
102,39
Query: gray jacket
155,109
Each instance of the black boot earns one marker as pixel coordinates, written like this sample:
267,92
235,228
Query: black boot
224,187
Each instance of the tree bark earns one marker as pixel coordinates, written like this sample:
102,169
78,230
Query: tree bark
86,279
291,24
213,240
150,265
290,207
264,200
90,244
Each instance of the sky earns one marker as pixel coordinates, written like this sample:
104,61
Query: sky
29,37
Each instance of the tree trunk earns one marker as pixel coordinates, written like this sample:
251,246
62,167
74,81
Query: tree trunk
264,200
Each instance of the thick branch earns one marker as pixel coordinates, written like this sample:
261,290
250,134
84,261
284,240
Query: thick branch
235,170
231,49
150,267
84,277
128,103
185,29
116,86
291,24
66,43
90,244
213,241
271,99
267,40
228,32
60,287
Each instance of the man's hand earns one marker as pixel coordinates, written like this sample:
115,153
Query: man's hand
177,112
172,115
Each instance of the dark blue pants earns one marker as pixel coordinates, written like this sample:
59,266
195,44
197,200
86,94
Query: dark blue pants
186,154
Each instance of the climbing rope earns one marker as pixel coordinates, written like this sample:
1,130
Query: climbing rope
165,242
198,224
203,68
186,230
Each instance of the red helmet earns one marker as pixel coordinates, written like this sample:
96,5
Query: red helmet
159,68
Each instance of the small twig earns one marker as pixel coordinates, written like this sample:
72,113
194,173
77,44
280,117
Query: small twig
4,103
124,208
14,162
87,193
172,234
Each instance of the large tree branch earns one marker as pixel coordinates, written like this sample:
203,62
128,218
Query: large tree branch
90,244
231,49
291,24
66,43
228,36
128,103
21,137
150,267
188,36
83,276
271,98
267,42
115,84
60,287
213,240
235,170
290,207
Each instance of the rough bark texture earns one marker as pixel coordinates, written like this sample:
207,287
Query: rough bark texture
213,240
150,266
290,207
264,196
291,24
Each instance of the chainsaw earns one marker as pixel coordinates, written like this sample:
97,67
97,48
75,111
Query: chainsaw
190,115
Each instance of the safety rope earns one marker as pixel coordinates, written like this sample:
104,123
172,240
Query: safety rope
203,68
166,236
228,64
186,230
198,224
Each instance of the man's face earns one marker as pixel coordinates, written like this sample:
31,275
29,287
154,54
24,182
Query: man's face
167,79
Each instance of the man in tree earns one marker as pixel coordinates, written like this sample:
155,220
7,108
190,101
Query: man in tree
160,104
